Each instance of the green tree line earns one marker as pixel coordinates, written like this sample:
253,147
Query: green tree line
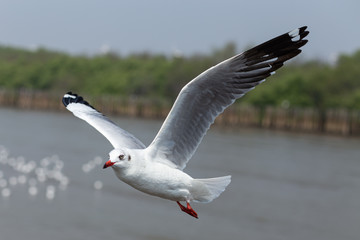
309,83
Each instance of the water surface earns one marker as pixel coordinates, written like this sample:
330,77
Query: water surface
284,185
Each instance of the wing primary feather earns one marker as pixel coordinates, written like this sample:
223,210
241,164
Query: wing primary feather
206,96
118,137
70,97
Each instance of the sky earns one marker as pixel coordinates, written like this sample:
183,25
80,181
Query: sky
187,27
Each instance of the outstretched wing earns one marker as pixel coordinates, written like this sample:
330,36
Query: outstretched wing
206,96
117,137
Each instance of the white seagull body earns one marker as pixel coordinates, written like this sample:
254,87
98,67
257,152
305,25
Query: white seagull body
157,169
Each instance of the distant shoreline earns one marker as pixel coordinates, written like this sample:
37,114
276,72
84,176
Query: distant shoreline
331,121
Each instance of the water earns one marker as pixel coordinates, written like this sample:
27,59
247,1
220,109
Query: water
284,185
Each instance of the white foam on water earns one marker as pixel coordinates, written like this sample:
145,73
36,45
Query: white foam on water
50,192
48,173
3,183
22,179
33,191
5,192
13,181
98,185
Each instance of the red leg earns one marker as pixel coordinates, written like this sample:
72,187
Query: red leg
188,209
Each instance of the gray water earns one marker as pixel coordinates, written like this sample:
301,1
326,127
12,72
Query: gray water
284,185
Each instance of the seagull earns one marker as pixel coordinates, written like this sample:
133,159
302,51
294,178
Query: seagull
157,169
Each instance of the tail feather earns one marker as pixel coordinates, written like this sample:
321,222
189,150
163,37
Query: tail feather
210,188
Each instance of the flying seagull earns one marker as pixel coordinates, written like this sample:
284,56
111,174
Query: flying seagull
158,168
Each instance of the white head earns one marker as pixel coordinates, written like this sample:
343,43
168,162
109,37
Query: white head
118,158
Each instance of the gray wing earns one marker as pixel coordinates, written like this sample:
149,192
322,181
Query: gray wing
206,96
118,137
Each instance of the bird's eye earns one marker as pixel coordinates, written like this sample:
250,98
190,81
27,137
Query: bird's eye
121,157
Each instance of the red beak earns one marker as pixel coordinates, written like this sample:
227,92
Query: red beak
108,164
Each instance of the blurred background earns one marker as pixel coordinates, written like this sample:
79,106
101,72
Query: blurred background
291,145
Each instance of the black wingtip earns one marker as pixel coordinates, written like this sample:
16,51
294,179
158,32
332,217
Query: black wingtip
70,97
300,33
283,45
302,29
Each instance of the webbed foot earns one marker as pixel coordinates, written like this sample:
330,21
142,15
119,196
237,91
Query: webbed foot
188,209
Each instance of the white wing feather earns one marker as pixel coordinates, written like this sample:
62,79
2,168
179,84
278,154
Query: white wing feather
206,96
118,137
